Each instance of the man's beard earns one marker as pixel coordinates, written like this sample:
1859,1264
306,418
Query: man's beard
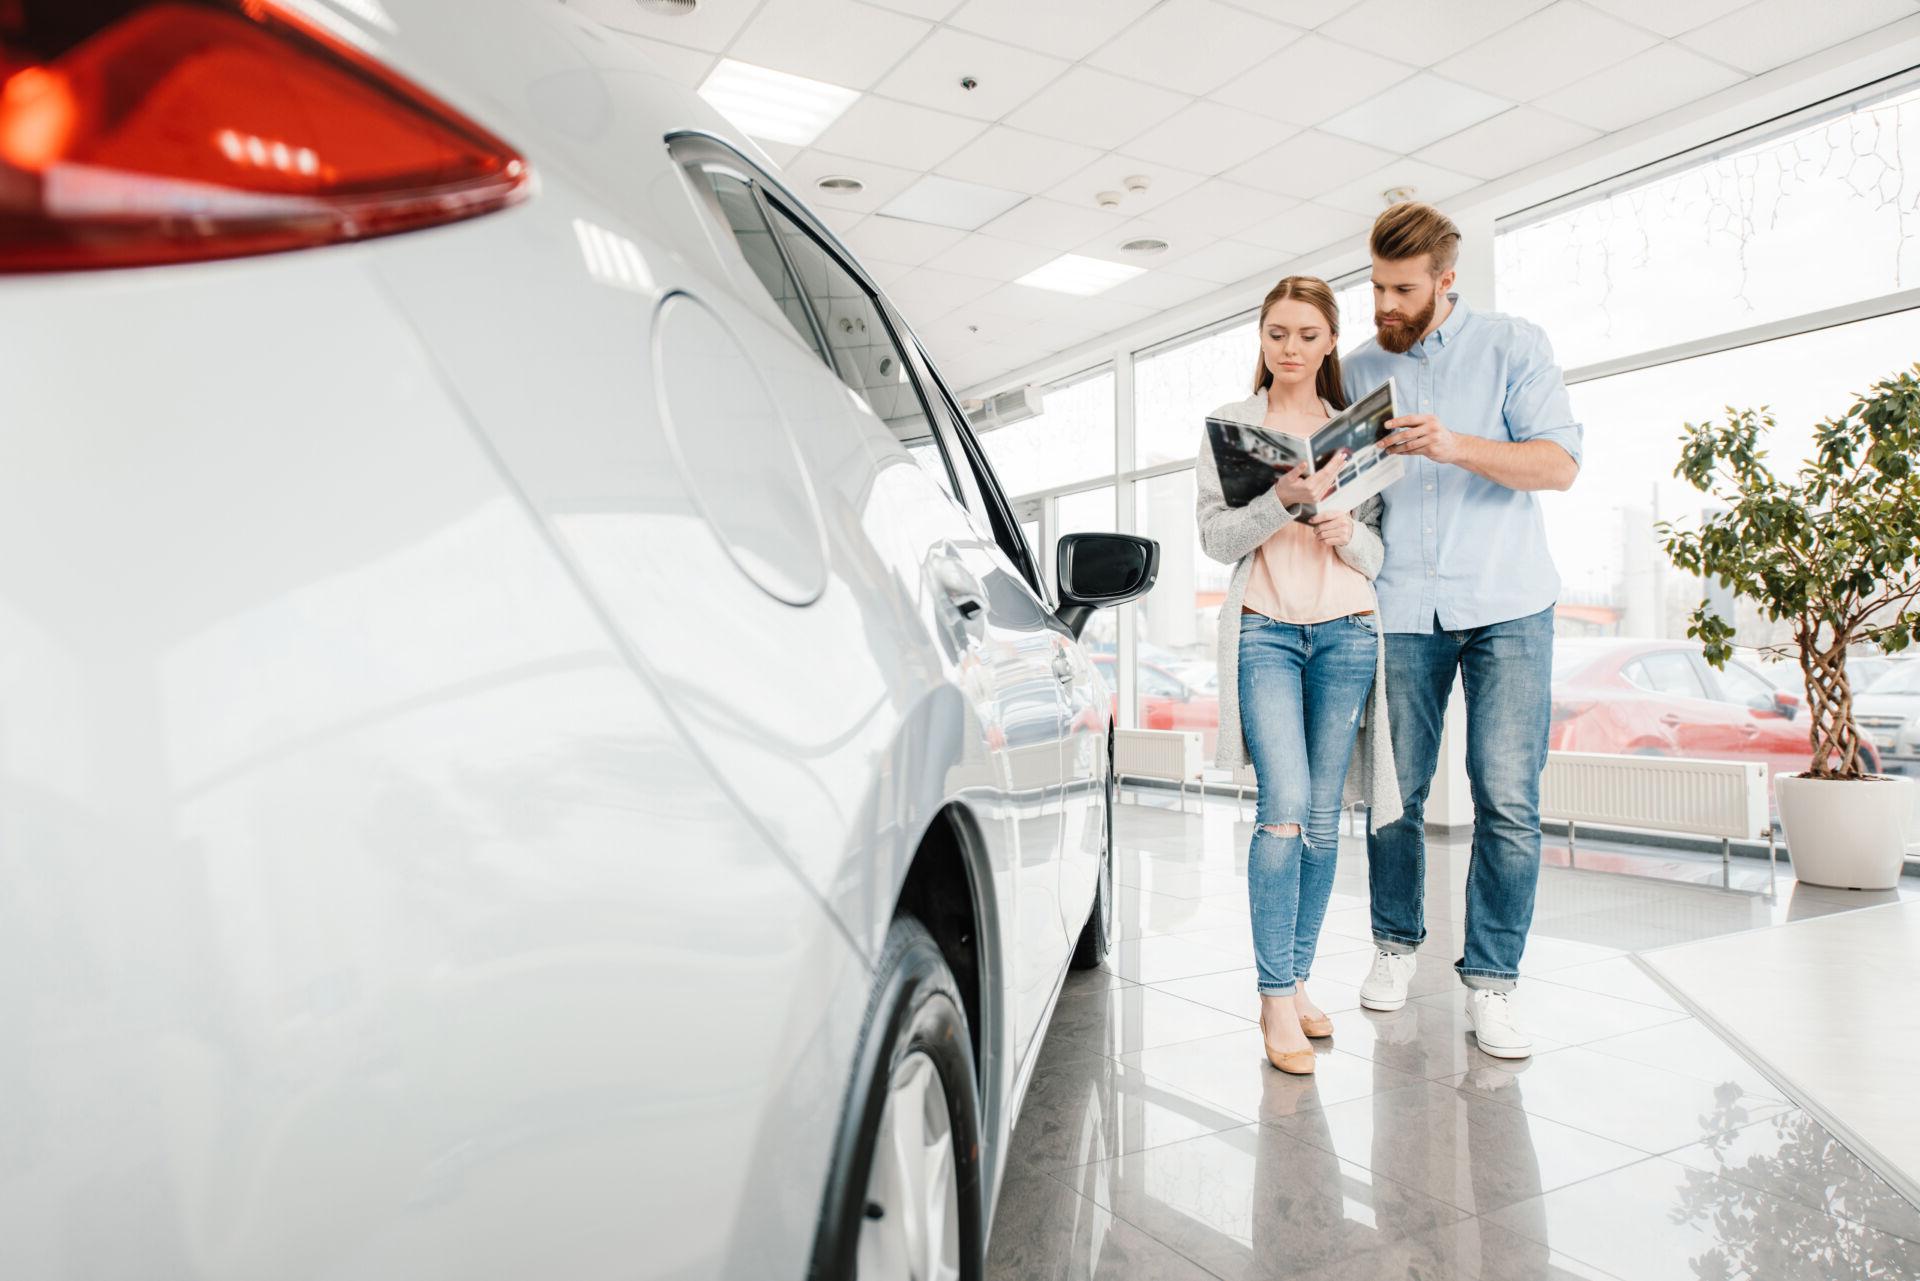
1401,337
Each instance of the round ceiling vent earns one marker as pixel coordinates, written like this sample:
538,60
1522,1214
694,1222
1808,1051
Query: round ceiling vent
1145,245
843,185
668,8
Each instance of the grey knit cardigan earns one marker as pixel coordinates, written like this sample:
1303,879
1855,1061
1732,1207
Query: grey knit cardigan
1231,535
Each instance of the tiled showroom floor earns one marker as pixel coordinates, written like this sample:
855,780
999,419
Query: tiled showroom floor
1155,1142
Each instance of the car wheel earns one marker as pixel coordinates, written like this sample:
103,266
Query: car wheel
1096,936
903,1197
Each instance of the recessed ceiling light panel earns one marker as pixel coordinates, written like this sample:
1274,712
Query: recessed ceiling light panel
1077,274
774,106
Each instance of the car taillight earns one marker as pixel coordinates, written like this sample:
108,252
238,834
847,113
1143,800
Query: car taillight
135,133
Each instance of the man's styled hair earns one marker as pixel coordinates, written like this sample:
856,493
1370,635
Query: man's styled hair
1409,229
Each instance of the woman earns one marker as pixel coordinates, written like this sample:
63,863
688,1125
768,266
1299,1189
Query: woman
1299,644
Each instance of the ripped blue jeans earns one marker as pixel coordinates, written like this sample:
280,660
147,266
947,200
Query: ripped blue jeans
1303,689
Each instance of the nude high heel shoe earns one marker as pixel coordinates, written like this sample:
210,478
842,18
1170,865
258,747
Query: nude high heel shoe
1321,1026
1292,1062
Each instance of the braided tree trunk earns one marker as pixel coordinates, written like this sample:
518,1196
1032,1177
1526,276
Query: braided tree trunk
1835,738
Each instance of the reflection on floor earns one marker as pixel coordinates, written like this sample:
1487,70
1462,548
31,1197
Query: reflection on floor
1155,1142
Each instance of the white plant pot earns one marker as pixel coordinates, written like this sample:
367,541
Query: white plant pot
1848,835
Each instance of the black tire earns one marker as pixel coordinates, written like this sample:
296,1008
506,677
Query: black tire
1096,936
915,1010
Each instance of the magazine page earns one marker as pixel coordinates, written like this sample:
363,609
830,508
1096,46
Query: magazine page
1249,458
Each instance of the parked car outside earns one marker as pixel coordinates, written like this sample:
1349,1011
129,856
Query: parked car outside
1167,702
1888,712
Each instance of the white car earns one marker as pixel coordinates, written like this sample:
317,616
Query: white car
531,743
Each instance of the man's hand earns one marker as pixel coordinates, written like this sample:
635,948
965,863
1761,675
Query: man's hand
1335,529
1422,436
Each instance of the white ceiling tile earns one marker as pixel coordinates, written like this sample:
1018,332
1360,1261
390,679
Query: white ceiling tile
1095,108
1772,33
992,257
1099,314
683,66
1063,28
1023,303
1429,182
925,291
781,153
1051,224
1207,137
1160,288
1305,228
809,38
948,202
1005,76
931,10
1507,143
708,27
1410,115
1227,261
897,240
1423,32
1217,209
1298,13
966,330
1011,158
1668,17
1547,50
1110,172
1309,163
1311,80
1107,244
884,273
1664,77
898,133
883,182
1193,45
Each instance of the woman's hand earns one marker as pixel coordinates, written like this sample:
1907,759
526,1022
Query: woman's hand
1335,529
1297,485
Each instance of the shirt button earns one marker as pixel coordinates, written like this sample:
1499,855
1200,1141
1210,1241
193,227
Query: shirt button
1429,573
1429,487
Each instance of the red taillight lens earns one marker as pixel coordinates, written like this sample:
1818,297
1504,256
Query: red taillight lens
134,133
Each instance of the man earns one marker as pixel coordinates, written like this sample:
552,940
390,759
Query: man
1468,586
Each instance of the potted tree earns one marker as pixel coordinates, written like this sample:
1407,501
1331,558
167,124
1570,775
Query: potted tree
1835,554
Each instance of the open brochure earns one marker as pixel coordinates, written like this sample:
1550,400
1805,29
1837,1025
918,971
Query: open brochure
1251,458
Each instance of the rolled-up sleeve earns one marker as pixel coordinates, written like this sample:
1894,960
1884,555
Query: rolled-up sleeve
1537,406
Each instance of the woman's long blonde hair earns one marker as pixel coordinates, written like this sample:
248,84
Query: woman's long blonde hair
1316,293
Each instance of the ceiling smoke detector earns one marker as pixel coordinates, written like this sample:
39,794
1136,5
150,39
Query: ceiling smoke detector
668,8
1397,195
1136,183
841,185
1108,199
1144,245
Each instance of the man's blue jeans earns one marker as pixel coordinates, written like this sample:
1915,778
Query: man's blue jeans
1506,671
1302,692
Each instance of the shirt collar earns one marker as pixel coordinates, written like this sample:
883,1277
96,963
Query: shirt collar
1450,329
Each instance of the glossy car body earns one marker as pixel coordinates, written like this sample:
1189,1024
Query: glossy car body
1888,713
471,702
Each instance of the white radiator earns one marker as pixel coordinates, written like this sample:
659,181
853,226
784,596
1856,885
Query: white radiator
1171,754
1727,799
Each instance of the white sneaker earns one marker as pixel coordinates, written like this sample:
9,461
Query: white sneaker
1490,1015
1386,986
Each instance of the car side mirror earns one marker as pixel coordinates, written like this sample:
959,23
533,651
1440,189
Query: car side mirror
1099,570
1787,704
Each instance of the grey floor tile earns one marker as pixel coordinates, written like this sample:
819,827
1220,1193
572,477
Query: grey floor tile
1238,992
1465,1151
1640,1106
1429,1040
1547,954
1258,1203
1569,1015
1092,1109
1045,1231
1135,1018
1168,956
1690,1048
1083,982
1470,1250
1232,1072
1661,1221
1795,1157
1617,976
1144,914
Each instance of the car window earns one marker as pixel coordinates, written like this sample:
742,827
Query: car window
738,206
1739,685
1903,678
1668,672
862,348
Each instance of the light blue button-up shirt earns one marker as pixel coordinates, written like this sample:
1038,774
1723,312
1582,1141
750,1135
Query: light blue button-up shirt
1461,549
